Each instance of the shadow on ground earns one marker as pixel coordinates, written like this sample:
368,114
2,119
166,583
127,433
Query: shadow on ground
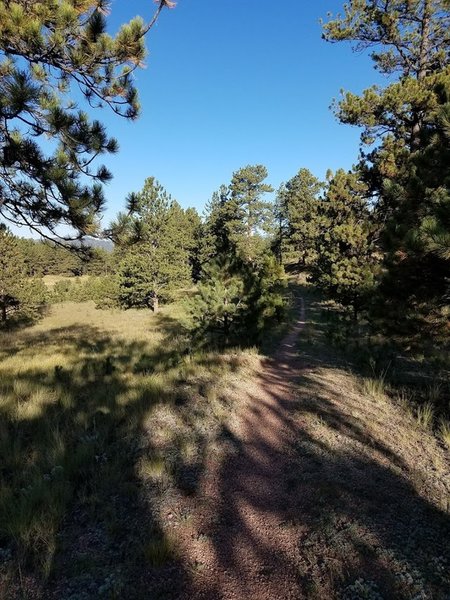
306,504
330,510
78,517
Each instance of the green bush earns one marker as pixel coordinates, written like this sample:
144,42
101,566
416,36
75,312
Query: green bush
237,301
101,290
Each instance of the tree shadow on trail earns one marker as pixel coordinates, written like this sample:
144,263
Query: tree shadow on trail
309,504
304,501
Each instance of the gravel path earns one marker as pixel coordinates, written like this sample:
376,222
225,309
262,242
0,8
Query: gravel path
240,546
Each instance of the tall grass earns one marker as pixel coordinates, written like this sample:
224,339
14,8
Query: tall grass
93,406
376,386
444,432
425,415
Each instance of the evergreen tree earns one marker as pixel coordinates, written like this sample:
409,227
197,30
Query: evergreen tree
249,215
220,221
47,51
100,262
146,216
155,252
12,270
415,287
47,258
299,209
281,244
409,39
247,189
433,175
33,257
189,235
267,296
402,166
344,265
136,286
218,311
238,218
236,301
19,294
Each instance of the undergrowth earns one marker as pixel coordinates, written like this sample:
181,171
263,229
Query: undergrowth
417,380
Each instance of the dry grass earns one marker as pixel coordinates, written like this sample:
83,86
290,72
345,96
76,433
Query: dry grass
51,280
374,388
373,480
444,433
161,550
128,325
101,412
425,415
373,472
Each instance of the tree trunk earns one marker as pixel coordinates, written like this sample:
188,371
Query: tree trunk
155,303
226,326
280,247
422,69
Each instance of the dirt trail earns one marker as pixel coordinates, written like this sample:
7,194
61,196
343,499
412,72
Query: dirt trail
320,491
241,547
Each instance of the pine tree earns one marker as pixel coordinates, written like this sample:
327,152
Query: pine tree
188,225
237,301
238,218
221,218
410,40
47,51
219,309
138,281
247,189
251,214
416,287
345,261
267,296
12,270
155,254
299,209
19,294
404,169
281,243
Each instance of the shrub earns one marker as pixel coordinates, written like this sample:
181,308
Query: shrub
101,290
236,301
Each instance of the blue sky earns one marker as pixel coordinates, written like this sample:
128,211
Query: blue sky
229,83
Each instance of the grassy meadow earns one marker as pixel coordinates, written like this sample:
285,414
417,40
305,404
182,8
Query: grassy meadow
51,280
104,415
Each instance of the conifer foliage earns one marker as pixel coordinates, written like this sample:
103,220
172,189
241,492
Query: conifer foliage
241,290
405,149
218,311
51,53
344,265
20,295
239,217
299,216
237,300
155,239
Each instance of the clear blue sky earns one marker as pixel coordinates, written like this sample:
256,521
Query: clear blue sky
230,83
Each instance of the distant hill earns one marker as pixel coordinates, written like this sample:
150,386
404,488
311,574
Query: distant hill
92,242
87,242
